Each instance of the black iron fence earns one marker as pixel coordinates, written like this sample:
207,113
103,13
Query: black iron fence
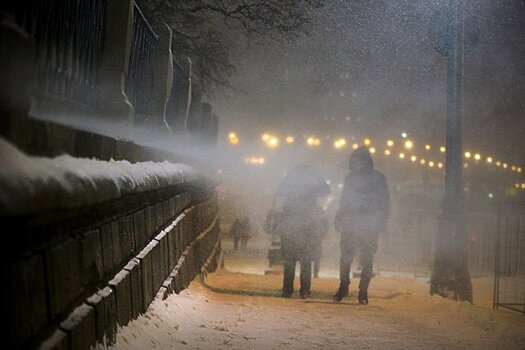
410,245
68,37
139,82
509,280
178,104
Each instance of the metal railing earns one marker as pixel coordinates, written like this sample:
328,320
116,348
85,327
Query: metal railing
139,80
410,245
69,38
509,277
179,97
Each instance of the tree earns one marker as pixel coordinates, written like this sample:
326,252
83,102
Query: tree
202,29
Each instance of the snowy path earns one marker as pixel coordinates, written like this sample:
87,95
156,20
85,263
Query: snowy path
242,310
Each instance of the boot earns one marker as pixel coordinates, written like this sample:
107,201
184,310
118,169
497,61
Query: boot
362,297
341,292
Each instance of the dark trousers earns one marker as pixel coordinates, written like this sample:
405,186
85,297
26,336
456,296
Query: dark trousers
289,275
349,248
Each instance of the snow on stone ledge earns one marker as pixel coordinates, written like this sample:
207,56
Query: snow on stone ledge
30,184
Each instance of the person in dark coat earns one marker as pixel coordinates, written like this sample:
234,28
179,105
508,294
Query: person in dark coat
300,225
245,233
362,216
236,231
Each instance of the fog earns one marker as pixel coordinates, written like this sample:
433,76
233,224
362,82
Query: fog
375,64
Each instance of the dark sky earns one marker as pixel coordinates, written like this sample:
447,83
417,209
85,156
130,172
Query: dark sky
369,67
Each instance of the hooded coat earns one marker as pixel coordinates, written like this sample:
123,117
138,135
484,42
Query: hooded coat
365,201
301,222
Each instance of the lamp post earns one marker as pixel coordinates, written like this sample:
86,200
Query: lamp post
450,276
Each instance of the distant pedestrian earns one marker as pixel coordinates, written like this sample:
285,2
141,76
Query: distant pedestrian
246,232
362,216
241,232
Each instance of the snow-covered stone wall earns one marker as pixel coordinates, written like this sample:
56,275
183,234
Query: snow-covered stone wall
93,242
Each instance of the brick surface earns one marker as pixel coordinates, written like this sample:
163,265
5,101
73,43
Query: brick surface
121,285
172,248
163,266
136,287
166,212
125,226
156,266
150,222
58,341
146,274
63,272
159,222
25,299
107,248
139,229
110,314
80,327
92,267
117,246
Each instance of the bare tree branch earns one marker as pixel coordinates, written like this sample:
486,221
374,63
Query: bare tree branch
201,28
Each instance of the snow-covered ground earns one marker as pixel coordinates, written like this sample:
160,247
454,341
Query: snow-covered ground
243,311
28,184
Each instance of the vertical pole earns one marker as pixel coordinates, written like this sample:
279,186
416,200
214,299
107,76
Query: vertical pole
451,277
112,99
453,201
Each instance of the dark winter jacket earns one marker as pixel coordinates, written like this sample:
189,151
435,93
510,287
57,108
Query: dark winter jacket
302,228
365,202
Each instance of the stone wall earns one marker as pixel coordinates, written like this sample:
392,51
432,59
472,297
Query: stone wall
73,277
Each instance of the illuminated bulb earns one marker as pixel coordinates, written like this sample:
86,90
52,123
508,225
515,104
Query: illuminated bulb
523,185
355,146
467,154
273,142
498,163
387,152
310,141
390,143
422,162
402,155
234,140
404,135
232,135
265,137
517,185
339,143
513,168
367,142
261,160
519,170
372,150
317,142
413,158
290,139
431,164
505,165
489,160
477,156
408,144
442,149
427,147
440,165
